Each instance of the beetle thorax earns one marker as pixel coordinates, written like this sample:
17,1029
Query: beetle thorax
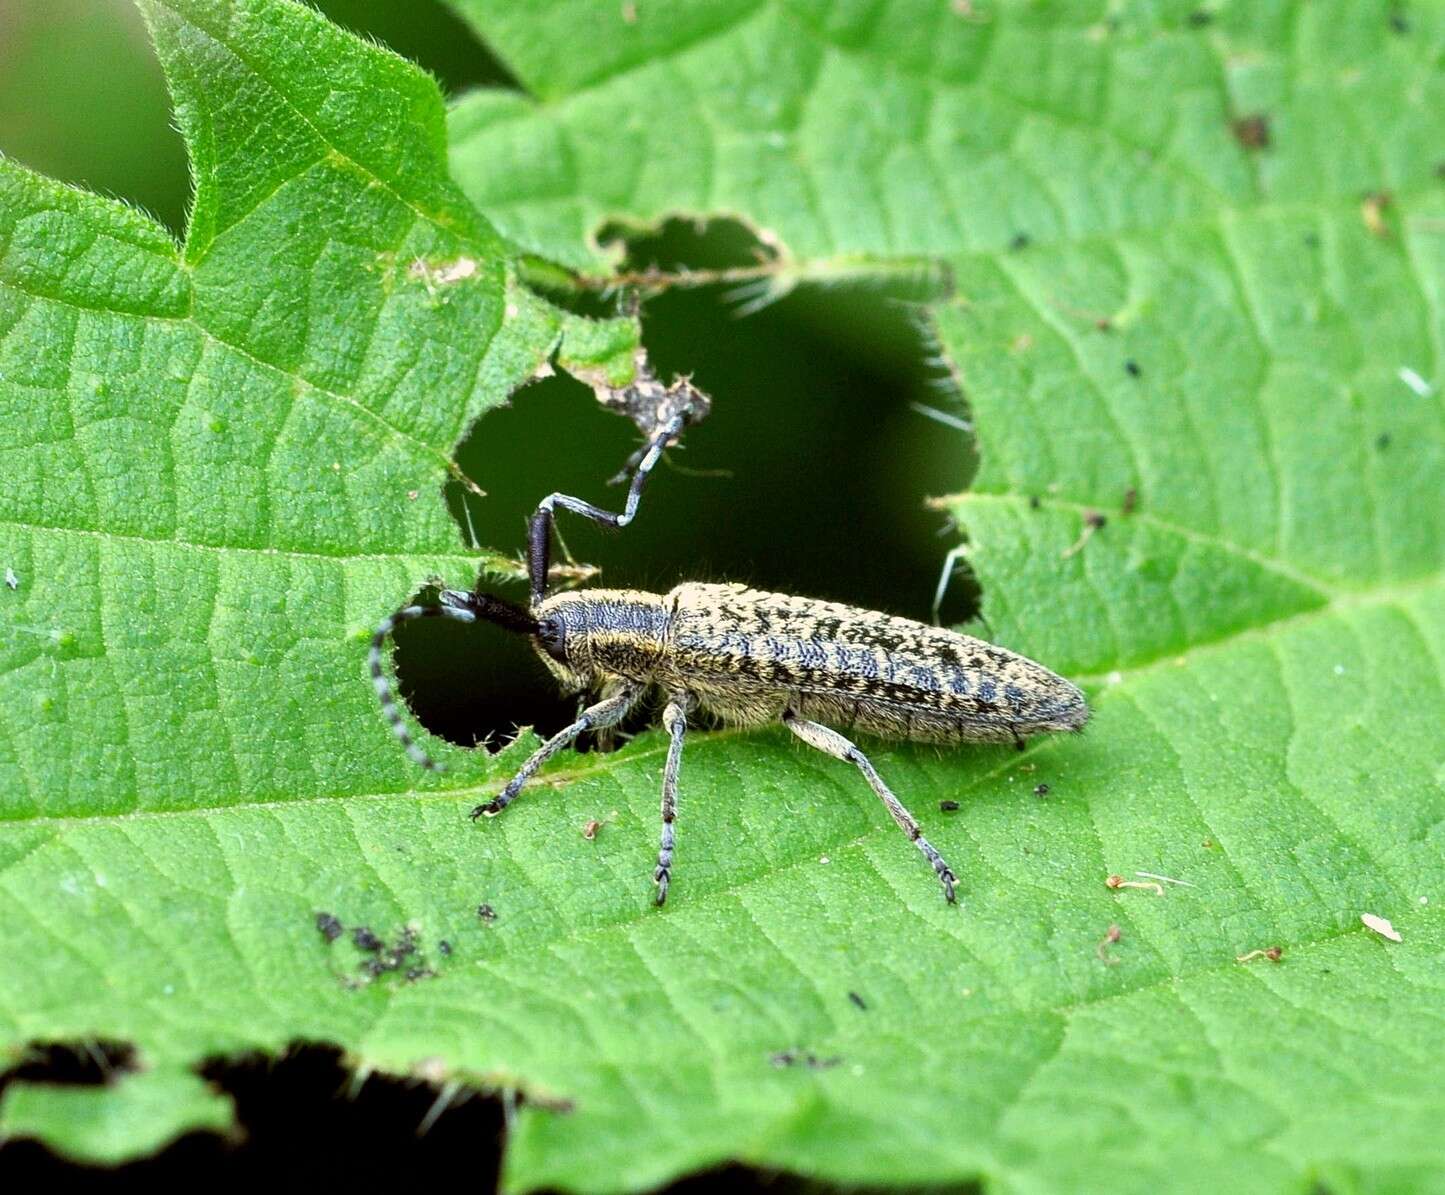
597,634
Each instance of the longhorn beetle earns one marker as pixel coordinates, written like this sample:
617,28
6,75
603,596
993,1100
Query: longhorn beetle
751,658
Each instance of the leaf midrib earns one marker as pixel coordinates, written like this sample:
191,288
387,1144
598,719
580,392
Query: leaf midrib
1322,589
482,559
294,378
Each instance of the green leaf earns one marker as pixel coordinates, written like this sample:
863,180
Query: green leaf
1144,303
193,768
130,1114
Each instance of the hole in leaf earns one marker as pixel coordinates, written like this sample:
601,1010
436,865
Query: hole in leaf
475,685
73,1064
307,1120
829,429
309,1123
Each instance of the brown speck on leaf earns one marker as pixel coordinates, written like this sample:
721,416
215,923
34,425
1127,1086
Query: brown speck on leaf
486,913
1111,936
411,495
1273,953
1131,501
1093,521
629,13
948,806
1118,881
1252,131
1381,926
1372,212
589,831
330,927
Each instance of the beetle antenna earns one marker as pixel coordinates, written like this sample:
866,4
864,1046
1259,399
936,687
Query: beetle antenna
457,604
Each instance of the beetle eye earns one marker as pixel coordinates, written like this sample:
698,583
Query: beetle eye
552,639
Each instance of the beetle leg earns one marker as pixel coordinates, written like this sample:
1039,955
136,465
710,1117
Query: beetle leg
674,717
607,712
540,529
826,739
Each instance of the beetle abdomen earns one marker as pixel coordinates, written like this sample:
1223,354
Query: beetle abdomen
750,654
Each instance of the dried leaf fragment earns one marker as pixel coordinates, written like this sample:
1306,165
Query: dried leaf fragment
1118,881
1382,926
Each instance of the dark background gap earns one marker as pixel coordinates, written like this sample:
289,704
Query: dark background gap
808,477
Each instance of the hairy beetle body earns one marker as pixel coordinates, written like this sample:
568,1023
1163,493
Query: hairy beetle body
749,656
858,670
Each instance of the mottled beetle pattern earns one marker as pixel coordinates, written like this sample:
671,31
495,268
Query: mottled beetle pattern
750,658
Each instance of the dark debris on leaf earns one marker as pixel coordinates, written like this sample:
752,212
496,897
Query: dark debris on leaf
786,1058
399,954
329,926
1252,131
